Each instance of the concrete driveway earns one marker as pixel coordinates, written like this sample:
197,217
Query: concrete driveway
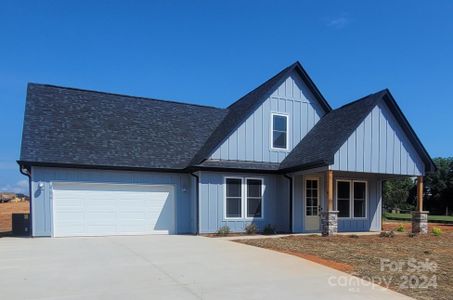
165,267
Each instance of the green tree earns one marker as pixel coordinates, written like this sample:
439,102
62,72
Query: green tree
439,187
396,193
438,192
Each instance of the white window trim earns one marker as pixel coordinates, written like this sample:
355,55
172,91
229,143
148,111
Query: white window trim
351,198
366,200
336,197
305,195
246,198
272,131
243,198
225,198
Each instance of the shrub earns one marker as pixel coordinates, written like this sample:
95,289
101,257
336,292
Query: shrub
400,228
387,234
269,229
224,230
437,231
250,229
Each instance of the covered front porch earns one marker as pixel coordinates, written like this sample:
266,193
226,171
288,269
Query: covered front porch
337,170
327,201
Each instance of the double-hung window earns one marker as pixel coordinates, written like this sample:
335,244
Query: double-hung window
343,198
351,198
279,131
233,198
359,197
254,198
243,194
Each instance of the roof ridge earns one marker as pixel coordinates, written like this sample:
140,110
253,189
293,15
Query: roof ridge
361,99
122,95
264,83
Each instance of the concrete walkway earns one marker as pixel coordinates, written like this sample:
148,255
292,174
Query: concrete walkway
166,267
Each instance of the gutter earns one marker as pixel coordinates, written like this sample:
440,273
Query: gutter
290,202
24,171
197,209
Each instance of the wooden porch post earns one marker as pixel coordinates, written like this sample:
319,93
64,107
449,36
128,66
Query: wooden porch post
420,193
420,217
330,190
329,217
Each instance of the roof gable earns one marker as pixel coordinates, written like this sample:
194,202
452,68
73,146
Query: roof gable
251,141
321,144
378,145
240,110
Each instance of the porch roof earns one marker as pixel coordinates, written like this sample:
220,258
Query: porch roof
319,146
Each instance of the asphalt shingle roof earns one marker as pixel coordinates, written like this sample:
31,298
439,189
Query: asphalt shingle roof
319,146
72,126
239,165
66,126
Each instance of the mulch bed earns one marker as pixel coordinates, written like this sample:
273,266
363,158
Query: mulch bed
391,225
361,256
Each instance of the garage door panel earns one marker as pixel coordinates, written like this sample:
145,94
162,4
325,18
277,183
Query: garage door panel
74,227
100,217
96,230
96,203
133,215
111,209
131,205
69,216
69,202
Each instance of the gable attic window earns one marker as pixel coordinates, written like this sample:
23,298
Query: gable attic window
279,131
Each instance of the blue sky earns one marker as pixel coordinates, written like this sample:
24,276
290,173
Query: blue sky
213,52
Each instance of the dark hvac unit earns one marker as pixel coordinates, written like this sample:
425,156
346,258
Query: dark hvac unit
21,224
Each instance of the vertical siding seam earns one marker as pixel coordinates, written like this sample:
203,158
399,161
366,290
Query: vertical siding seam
253,138
355,144
393,152
386,145
347,154
263,135
400,157
379,140
237,145
363,144
209,208
371,142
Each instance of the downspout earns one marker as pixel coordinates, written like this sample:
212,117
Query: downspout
197,203
290,202
26,172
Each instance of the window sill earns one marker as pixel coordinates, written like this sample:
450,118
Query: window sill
280,150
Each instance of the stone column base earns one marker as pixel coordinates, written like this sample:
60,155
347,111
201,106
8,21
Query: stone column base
329,222
420,222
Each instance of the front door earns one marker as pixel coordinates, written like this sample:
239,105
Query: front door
311,196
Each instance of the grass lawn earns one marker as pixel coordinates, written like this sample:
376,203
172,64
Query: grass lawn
361,256
395,216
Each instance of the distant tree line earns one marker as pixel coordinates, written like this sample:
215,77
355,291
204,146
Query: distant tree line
438,190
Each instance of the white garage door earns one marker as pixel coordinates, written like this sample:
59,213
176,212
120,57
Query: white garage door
91,209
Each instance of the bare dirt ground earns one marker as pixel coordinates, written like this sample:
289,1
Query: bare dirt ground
380,259
7,209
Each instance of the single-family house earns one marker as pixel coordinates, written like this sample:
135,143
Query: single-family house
109,164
